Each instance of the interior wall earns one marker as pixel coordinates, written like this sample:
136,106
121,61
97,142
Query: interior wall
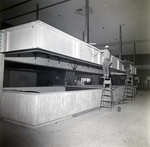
55,76
6,78
14,78
141,59
70,77
95,78
58,76
22,79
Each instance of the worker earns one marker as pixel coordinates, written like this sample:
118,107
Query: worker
127,68
78,82
106,63
65,81
49,83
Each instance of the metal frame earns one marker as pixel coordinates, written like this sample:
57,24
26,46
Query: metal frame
67,62
37,10
15,5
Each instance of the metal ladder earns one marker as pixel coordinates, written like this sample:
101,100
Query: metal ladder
129,89
107,100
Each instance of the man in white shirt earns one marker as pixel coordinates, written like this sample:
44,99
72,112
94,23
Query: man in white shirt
106,62
127,67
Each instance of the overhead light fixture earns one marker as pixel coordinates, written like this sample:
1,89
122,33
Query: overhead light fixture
81,11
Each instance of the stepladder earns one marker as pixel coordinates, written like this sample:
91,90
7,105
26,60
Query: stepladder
107,100
128,94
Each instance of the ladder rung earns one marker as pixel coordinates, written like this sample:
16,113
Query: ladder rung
108,101
131,88
129,84
128,95
106,106
129,81
127,99
129,92
107,95
107,89
106,98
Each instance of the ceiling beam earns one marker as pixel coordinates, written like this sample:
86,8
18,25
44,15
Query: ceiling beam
36,10
15,5
124,42
20,15
120,41
54,4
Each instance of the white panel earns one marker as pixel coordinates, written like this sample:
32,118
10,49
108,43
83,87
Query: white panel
20,39
77,49
41,35
2,41
114,62
135,72
123,69
132,69
117,64
58,43
120,65
53,106
96,56
19,107
86,52
1,78
36,109
89,53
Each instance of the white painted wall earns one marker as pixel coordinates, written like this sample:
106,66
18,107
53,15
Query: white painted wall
1,77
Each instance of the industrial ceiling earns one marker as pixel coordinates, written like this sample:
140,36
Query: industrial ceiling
105,19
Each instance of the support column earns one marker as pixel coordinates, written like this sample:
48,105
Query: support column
1,79
37,12
134,53
120,38
86,37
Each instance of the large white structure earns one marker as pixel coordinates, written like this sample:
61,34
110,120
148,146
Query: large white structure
41,36
36,109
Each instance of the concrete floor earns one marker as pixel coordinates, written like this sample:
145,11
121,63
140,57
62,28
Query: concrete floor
105,128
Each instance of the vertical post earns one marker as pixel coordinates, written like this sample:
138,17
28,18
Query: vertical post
1,79
120,35
83,38
134,53
37,12
86,38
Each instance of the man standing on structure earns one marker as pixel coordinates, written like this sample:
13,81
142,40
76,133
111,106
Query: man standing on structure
127,68
106,62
